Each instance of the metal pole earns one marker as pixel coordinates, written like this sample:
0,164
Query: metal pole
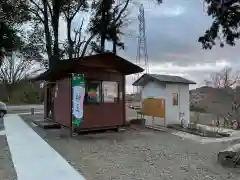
32,111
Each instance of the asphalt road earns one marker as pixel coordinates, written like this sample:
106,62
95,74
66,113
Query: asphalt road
24,108
130,114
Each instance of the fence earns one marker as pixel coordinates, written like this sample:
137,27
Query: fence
204,118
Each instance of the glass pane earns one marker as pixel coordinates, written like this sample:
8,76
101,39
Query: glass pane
93,91
110,91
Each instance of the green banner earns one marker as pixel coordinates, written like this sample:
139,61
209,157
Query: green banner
78,93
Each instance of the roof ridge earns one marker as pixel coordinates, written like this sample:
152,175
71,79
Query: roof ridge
164,78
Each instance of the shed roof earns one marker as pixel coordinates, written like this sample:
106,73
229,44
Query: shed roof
100,61
161,78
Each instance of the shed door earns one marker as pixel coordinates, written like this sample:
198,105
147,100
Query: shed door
50,101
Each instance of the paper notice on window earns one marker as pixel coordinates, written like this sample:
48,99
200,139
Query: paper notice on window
110,91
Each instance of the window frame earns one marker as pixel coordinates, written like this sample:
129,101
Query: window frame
118,92
86,91
101,92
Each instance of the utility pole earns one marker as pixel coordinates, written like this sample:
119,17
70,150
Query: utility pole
142,54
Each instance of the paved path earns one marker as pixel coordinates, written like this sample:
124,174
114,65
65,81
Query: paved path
33,158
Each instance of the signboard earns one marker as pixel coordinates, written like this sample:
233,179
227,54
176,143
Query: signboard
78,93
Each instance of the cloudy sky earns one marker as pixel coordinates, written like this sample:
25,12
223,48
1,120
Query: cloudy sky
172,31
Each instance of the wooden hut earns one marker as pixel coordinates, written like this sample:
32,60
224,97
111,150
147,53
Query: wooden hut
104,100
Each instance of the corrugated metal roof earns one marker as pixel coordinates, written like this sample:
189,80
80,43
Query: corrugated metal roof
168,78
161,78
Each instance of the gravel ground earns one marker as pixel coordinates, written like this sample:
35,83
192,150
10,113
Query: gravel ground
1,124
136,155
7,171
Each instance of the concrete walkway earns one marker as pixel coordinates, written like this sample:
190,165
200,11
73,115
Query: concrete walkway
33,158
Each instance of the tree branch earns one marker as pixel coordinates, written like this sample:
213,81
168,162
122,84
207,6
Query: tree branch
38,7
36,14
50,9
122,11
87,43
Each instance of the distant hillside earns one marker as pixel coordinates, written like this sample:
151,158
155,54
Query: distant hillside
24,92
213,100
206,99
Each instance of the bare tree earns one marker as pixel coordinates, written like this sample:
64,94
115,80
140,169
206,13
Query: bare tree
14,69
34,48
47,12
81,44
225,78
224,85
70,10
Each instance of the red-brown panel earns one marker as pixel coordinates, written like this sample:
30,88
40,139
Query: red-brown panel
102,115
62,103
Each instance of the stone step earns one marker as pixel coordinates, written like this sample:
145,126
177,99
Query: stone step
46,124
158,128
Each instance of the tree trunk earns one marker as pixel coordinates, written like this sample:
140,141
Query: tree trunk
70,42
103,25
48,37
114,47
86,45
55,26
114,35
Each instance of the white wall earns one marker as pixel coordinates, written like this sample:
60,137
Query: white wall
153,90
157,90
172,112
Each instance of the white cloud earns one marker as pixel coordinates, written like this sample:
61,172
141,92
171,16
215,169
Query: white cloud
190,72
62,29
166,11
171,68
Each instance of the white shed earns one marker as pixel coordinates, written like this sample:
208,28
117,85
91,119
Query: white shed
165,99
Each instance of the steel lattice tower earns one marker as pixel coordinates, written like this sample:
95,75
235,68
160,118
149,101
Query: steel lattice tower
142,55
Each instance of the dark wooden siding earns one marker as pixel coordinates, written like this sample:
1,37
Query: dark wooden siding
62,103
96,116
104,115
45,101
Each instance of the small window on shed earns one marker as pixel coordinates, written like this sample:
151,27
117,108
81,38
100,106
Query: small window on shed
175,99
110,91
93,91
101,91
